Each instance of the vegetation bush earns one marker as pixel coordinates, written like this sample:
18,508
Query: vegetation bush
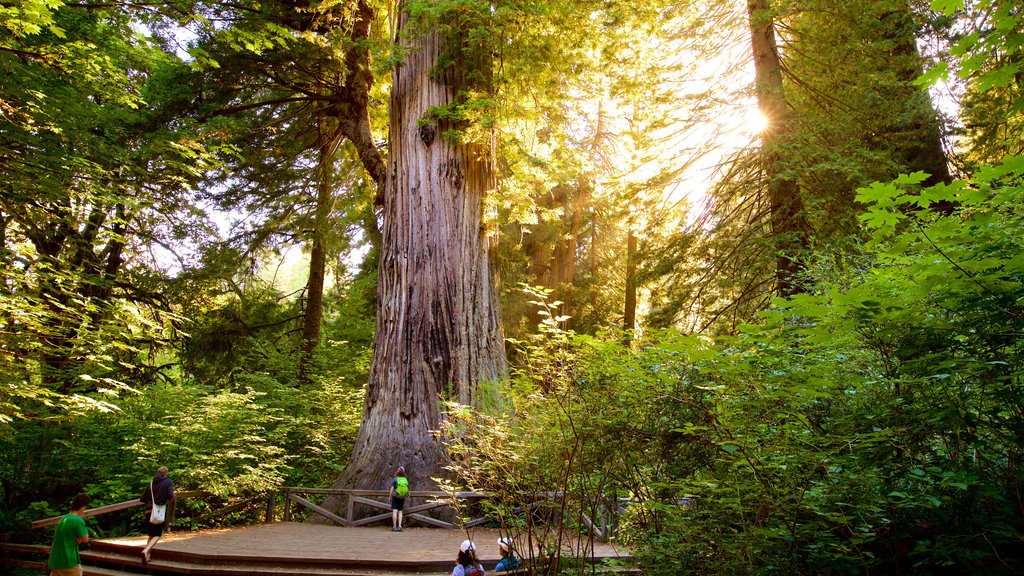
871,425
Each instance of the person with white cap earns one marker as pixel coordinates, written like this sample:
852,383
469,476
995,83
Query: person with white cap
467,564
508,558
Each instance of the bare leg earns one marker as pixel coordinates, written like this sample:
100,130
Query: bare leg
394,519
400,519
149,545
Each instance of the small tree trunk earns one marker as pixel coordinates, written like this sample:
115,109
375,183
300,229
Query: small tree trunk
629,316
314,312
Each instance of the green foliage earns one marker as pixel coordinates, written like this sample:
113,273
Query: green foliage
93,169
871,425
855,115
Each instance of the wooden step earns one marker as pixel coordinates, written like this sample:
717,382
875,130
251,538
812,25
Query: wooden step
113,563
121,564
96,571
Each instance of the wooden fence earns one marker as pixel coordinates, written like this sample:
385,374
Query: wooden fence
52,521
602,524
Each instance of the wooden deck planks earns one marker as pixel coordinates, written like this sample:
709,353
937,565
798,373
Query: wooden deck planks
310,544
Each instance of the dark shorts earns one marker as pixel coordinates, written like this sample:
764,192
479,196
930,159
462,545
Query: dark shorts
154,530
397,503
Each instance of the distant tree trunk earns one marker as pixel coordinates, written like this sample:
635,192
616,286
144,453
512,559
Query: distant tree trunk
552,248
787,218
327,146
438,333
916,129
629,315
563,264
78,288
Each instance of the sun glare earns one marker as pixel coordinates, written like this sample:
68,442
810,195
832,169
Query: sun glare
756,121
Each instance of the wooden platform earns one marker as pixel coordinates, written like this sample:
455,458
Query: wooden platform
296,549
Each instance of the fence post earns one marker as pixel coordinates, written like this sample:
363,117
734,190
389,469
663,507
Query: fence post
350,505
170,511
271,501
287,505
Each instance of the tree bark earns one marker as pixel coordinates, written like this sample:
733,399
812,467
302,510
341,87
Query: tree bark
438,323
917,127
327,146
629,315
787,218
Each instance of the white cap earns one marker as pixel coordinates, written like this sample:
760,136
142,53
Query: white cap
505,543
467,545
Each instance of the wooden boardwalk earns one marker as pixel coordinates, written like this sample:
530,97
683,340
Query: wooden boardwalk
296,549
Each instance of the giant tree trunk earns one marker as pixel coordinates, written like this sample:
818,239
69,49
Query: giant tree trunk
787,218
438,333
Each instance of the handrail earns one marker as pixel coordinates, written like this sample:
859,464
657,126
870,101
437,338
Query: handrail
413,493
434,500
603,525
111,508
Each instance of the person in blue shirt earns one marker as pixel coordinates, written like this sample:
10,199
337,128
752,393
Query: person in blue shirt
466,564
159,492
508,560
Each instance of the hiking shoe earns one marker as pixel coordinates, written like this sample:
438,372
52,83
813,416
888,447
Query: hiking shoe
399,528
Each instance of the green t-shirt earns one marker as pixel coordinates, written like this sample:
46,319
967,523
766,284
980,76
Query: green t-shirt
64,553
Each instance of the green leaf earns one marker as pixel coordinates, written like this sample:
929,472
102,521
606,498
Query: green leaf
730,447
939,71
947,7
878,193
999,78
912,178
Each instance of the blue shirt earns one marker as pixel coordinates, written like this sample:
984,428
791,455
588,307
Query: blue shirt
460,570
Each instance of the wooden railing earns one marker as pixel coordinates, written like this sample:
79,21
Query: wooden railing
603,525
126,505
432,501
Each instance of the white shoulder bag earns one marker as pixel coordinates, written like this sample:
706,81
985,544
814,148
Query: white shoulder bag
159,512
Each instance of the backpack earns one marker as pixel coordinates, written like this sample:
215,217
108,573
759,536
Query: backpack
401,486
471,570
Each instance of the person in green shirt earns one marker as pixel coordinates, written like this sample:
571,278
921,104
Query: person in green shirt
71,532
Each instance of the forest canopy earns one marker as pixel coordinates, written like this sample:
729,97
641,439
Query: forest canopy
755,267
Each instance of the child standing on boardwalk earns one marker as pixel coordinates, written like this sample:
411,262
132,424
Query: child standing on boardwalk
398,492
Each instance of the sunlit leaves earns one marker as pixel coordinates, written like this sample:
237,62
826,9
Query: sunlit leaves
27,17
947,7
990,51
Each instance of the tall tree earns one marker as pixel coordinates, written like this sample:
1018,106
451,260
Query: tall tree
293,99
598,166
786,208
93,167
835,82
438,331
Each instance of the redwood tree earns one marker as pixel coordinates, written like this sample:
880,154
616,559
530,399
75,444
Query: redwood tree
786,210
438,331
